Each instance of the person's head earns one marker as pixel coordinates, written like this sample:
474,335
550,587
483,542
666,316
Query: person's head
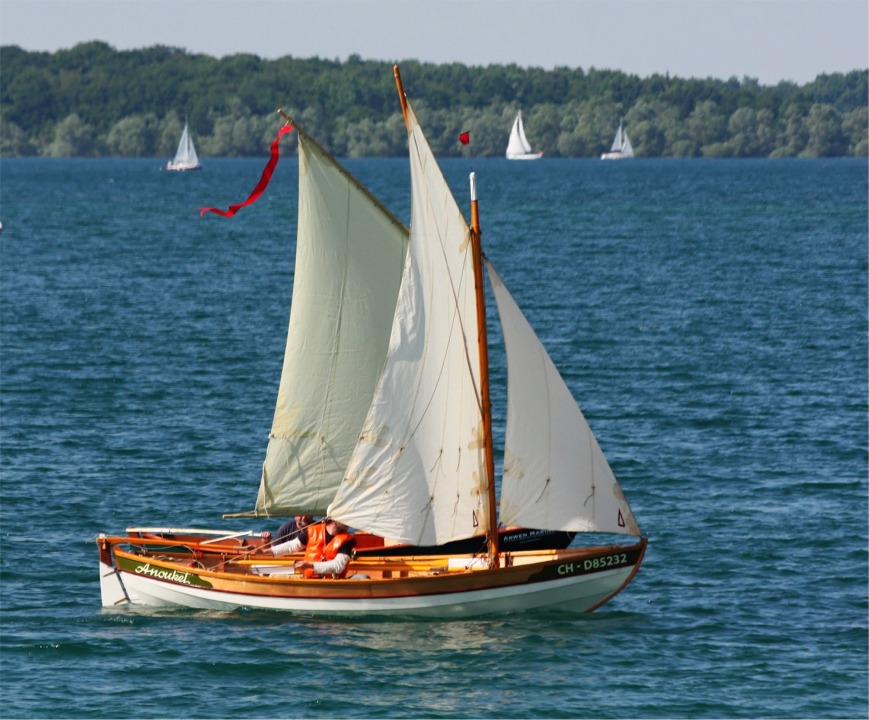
303,520
333,526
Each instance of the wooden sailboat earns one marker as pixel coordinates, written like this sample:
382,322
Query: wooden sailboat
185,156
400,446
518,147
621,147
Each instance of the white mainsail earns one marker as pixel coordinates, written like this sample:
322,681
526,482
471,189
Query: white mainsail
518,147
350,253
417,474
617,140
555,476
185,156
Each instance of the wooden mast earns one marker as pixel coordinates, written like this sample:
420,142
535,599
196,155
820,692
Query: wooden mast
483,345
485,399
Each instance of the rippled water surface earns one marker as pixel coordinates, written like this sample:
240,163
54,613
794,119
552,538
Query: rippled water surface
709,316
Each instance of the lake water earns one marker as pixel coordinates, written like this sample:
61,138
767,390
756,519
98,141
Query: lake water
710,318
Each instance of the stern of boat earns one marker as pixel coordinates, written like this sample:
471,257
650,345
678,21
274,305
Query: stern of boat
112,588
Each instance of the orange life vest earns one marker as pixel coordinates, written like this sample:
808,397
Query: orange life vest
318,550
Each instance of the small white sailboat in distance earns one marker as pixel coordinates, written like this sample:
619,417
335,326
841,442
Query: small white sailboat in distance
621,147
518,148
185,157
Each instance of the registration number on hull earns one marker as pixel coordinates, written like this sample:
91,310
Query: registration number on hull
617,558
592,564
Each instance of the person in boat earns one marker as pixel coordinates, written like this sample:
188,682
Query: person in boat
291,528
328,547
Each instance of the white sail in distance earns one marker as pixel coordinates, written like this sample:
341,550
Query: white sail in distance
185,156
621,147
518,147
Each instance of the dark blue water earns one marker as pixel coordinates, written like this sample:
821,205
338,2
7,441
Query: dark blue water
709,316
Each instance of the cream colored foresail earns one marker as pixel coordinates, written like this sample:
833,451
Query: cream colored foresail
349,258
418,472
555,476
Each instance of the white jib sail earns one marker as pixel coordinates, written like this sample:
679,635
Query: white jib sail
349,258
627,148
418,472
555,476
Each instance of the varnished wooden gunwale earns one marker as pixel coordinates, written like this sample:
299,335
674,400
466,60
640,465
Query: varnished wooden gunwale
425,576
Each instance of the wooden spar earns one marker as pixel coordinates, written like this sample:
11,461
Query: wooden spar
401,96
289,121
485,399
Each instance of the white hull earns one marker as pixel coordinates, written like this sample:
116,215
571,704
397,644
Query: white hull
615,156
576,594
182,167
112,590
526,156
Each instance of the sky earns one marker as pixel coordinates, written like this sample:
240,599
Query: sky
768,40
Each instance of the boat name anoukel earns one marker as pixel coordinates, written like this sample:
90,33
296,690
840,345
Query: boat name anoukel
171,575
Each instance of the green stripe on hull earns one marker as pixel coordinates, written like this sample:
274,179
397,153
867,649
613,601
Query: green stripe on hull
146,569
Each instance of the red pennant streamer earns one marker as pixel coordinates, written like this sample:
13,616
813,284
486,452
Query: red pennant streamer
263,181
465,137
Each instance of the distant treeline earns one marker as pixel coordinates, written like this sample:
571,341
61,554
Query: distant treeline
93,100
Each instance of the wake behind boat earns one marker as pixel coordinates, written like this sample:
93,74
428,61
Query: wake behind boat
185,156
393,435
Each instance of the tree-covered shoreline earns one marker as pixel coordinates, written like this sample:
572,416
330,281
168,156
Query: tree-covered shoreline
93,100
